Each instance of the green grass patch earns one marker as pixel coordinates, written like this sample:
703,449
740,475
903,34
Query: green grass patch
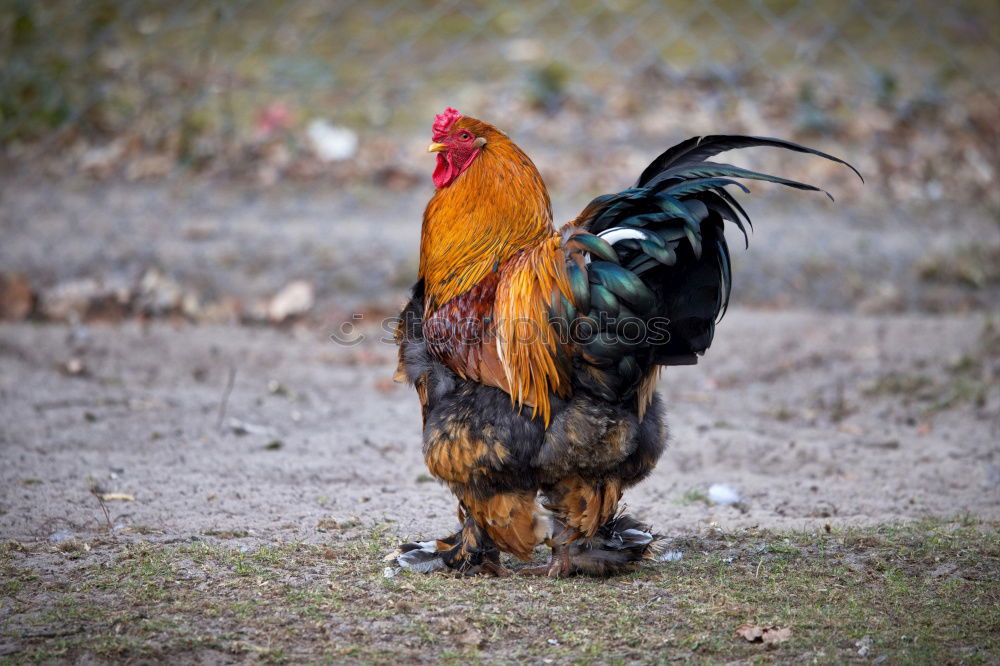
917,593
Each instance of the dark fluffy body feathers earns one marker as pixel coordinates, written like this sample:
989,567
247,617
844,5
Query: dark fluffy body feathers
484,448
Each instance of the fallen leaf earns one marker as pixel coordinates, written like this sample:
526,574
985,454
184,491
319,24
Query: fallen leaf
751,632
326,524
295,299
773,636
117,497
767,635
470,637
17,300
943,569
385,385
243,428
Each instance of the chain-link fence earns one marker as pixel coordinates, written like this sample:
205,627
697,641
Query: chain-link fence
339,96
253,84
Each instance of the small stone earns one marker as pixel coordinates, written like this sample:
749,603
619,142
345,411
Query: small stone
75,367
60,535
720,493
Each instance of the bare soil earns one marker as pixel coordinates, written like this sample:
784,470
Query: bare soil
813,419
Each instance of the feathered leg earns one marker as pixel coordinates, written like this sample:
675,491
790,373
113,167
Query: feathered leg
580,508
473,448
469,551
583,505
514,521
590,533
616,546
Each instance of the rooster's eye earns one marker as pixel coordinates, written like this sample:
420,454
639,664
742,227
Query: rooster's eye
464,136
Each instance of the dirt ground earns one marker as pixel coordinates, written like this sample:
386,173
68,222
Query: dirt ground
813,419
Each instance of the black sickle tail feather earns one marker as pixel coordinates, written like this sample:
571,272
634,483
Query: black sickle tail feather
660,260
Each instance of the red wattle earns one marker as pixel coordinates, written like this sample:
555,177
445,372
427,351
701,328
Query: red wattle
443,172
446,172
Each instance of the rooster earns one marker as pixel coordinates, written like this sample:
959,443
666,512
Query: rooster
535,352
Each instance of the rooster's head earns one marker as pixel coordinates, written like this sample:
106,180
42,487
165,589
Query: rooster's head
457,142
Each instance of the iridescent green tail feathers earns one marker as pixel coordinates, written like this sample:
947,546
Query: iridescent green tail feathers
659,257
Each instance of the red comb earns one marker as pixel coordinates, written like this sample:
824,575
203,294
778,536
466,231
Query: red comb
443,122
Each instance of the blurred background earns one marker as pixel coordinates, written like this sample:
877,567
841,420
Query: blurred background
255,161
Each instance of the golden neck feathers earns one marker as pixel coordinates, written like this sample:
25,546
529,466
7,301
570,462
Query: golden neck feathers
496,208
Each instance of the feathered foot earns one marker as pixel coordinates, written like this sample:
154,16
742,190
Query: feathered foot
420,557
617,546
467,552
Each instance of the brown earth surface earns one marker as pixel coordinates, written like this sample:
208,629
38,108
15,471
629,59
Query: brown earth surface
812,418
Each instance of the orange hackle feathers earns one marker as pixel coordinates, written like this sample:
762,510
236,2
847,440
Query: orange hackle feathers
491,260
528,346
492,263
496,208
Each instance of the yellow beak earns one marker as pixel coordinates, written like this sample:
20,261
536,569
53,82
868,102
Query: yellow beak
436,147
